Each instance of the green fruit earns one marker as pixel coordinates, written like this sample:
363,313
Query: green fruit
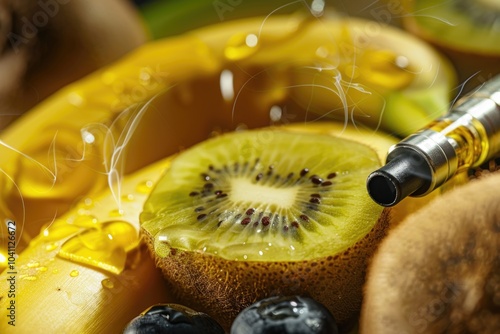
460,24
247,215
467,31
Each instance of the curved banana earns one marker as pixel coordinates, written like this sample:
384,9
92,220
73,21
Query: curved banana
86,272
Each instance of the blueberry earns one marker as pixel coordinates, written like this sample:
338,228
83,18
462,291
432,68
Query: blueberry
285,315
172,319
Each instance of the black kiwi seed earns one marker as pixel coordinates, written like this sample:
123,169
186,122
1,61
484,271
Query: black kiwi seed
331,175
214,190
316,179
246,221
315,200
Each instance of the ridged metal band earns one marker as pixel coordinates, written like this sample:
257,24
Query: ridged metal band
484,106
436,151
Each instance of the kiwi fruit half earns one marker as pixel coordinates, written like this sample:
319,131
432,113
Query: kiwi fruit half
439,270
252,214
467,31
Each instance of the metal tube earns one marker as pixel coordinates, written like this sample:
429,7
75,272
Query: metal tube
466,137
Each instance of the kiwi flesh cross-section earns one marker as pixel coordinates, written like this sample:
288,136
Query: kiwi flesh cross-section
252,214
439,270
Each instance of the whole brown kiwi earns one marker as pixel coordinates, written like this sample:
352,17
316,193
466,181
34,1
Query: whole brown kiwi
46,44
439,270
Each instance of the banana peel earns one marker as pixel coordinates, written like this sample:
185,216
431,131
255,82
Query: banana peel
87,271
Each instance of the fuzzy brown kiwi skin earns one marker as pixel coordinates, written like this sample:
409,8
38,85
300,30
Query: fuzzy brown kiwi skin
223,288
439,271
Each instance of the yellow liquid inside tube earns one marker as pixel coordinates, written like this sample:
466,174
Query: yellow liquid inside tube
467,136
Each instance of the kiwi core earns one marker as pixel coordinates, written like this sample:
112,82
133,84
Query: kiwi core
244,191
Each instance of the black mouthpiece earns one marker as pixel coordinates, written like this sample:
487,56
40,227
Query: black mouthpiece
403,175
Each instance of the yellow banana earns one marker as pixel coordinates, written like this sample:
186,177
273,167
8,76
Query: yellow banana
86,272
249,73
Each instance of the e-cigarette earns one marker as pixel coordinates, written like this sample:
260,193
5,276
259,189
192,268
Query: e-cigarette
465,138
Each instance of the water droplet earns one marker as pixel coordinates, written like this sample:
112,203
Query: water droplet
385,69
227,85
318,7
128,198
145,76
30,278
33,264
275,113
87,221
88,137
322,52
241,46
402,61
42,269
58,230
55,271
88,202
116,213
105,248
251,40
75,99
51,246
145,187
123,233
107,283
74,273
80,212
